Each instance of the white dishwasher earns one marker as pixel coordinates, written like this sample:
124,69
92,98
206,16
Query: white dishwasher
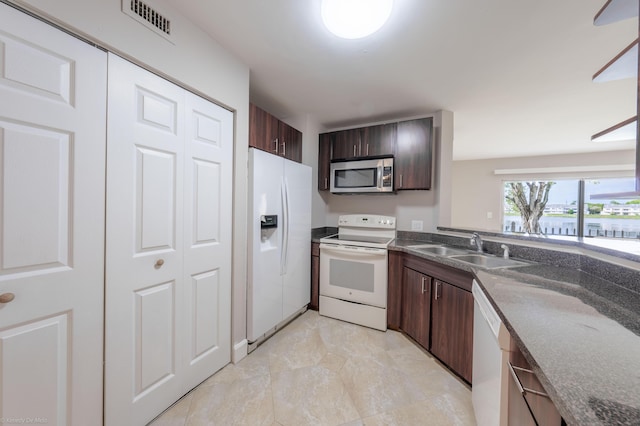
490,362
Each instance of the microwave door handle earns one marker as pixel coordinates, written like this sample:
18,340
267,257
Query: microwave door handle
380,172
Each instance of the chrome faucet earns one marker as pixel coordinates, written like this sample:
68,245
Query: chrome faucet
505,253
475,239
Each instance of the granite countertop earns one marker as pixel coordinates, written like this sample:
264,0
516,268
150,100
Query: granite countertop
579,332
318,233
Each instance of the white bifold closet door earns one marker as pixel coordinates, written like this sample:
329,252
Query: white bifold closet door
168,272
52,159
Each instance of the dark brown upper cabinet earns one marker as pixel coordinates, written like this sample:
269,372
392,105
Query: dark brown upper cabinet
347,144
263,130
364,142
413,160
379,140
269,134
290,140
324,161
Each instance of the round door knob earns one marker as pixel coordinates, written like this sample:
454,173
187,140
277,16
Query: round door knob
159,263
7,297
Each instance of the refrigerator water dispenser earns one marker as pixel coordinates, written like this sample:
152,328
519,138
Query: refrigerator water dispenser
268,226
269,221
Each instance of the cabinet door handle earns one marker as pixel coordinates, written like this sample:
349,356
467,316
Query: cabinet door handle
424,279
326,182
400,186
367,154
437,290
276,142
354,149
284,148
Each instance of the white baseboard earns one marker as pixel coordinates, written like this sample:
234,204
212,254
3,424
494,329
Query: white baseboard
239,351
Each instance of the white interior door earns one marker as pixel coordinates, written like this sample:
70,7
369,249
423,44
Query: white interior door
168,243
144,295
207,238
52,159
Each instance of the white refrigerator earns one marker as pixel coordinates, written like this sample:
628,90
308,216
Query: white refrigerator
279,282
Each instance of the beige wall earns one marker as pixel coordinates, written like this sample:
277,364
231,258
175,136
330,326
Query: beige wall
477,189
194,61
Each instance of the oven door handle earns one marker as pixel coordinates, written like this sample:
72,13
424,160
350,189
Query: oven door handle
353,250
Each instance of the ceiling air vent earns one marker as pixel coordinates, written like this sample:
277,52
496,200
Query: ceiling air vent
148,16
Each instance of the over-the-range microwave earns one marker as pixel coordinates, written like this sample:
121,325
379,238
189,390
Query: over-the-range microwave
367,176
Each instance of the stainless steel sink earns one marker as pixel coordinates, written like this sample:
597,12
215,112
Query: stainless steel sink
440,250
488,262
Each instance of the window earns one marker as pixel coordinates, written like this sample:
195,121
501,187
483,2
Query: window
560,208
613,218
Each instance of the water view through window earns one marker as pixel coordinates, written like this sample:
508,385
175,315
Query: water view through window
607,218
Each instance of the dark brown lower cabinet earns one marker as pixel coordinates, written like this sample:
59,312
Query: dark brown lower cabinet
452,327
315,276
394,289
416,305
442,321
529,403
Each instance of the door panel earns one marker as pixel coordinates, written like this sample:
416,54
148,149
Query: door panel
207,238
452,327
263,130
156,183
47,366
206,211
144,291
416,306
157,111
52,165
205,290
36,68
154,337
36,212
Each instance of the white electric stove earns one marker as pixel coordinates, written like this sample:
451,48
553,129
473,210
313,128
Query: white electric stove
353,270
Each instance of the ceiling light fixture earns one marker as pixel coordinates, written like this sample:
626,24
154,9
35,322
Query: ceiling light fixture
355,18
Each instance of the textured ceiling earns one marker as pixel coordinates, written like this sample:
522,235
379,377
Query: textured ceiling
516,74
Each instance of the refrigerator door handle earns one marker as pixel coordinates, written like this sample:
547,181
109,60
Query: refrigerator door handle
285,227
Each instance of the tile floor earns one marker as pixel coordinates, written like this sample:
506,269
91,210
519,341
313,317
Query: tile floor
321,371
